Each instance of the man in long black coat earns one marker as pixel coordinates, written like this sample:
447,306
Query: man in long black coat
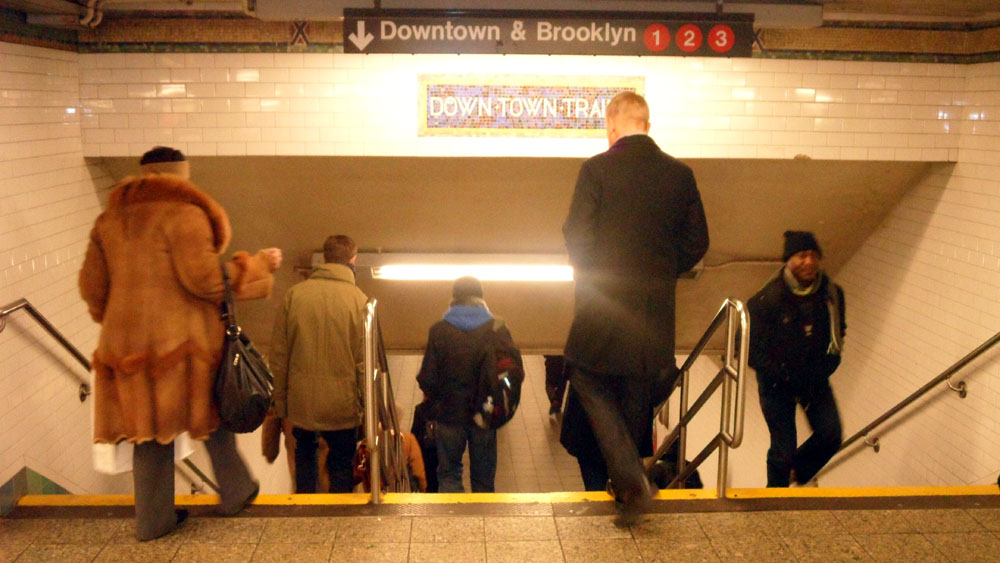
636,221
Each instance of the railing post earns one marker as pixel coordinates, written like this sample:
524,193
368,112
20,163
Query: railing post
727,386
371,421
682,412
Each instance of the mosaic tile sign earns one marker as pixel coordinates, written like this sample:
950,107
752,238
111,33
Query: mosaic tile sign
549,33
518,106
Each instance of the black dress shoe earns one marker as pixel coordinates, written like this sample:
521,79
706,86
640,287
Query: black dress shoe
182,516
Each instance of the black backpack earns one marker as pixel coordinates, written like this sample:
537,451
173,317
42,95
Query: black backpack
501,373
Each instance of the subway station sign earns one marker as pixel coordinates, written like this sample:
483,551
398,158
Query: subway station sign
558,33
518,106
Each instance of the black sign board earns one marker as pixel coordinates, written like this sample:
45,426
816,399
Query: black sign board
548,33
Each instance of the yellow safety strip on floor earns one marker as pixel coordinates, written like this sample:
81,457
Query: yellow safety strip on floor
522,498
855,492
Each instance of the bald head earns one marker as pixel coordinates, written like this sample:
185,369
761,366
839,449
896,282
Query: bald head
627,114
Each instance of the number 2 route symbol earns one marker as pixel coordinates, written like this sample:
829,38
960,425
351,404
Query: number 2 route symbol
656,37
689,38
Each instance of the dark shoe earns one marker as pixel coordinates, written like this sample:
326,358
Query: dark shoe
633,504
249,500
181,516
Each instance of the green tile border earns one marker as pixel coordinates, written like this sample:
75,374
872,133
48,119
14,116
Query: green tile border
26,482
12,491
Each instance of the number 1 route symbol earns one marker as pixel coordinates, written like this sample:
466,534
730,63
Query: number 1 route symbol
656,37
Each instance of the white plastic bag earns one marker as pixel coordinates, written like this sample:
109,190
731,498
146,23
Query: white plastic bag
117,458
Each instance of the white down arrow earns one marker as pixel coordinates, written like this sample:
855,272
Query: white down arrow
361,39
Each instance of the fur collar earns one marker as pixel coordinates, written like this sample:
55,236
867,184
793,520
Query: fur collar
169,187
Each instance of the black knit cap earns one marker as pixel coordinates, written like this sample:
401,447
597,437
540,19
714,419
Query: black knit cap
162,154
797,241
467,286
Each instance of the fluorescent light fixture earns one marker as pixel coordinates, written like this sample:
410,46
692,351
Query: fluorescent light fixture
486,267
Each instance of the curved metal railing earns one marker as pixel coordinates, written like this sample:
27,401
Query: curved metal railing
386,458
84,389
944,376
24,304
732,378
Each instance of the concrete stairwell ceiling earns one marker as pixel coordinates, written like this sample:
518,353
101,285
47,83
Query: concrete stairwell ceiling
504,205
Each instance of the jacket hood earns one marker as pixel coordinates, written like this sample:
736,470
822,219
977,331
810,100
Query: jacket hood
333,271
468,314
170,187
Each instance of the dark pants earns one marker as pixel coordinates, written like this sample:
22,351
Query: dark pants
556,377
594,473
777,402
616,408
153,478
451,440
339,459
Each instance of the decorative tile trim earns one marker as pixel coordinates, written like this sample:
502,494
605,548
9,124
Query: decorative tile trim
14,28
950,43
869,56
208,48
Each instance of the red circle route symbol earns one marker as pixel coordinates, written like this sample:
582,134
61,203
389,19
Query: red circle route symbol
689,38
721,38
656,37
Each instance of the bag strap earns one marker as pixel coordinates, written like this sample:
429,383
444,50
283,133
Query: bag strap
228,315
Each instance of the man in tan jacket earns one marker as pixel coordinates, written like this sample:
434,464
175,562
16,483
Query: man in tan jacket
317,353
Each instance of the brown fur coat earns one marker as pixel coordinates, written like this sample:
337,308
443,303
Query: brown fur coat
151,277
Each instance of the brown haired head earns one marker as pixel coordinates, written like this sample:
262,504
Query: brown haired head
339,249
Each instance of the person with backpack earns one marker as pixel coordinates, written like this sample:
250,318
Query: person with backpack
459,362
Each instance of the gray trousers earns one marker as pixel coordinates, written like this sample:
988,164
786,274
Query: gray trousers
153,478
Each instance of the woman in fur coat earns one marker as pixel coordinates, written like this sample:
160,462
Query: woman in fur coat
152,279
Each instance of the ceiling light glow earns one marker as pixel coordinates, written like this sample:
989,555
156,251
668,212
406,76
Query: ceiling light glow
485,272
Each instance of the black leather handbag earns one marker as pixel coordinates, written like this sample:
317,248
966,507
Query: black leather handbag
243,382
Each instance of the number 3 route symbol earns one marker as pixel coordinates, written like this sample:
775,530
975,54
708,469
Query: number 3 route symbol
721,38
656,37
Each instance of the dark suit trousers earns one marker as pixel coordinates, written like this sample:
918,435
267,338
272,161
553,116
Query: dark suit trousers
616,408
153,482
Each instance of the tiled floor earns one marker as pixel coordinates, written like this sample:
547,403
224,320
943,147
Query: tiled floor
800,535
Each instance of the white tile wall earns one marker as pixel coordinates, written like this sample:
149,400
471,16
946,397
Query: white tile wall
922,292
49,198
338,104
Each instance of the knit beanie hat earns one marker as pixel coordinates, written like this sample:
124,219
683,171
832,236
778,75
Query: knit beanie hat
165,160
797,241
467,286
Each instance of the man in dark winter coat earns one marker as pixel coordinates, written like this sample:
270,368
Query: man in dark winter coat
796,334
448,378
635,222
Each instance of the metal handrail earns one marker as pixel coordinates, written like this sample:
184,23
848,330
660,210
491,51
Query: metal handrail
734,314
382,432
84,386
24,304
945,375
195,486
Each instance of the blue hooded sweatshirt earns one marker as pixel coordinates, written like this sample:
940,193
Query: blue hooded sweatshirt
468,317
